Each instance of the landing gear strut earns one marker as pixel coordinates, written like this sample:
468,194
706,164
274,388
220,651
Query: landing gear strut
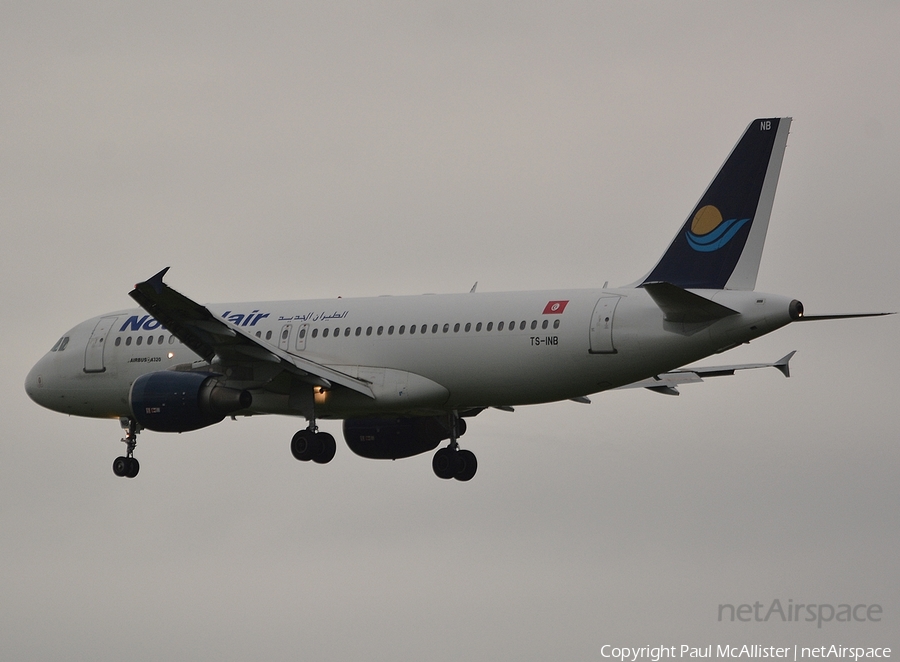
127,466
451,462
310,444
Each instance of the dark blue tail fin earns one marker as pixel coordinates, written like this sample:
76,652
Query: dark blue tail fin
720,244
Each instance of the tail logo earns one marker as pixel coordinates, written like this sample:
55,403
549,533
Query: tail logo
709,232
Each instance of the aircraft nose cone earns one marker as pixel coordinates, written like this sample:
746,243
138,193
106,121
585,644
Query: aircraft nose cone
34,383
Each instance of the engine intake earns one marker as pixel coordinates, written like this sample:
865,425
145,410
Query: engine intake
183,401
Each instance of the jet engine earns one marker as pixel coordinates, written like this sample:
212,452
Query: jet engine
183,401
393,438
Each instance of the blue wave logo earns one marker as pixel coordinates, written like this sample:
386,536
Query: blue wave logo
709,232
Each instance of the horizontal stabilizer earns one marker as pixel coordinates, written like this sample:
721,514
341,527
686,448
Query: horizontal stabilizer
679,305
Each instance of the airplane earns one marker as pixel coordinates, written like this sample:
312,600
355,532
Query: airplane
404,373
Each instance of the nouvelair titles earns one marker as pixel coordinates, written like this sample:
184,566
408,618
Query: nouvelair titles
147,323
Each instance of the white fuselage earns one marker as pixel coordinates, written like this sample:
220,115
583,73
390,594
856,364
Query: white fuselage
421,354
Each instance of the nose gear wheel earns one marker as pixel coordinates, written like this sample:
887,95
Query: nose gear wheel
127,466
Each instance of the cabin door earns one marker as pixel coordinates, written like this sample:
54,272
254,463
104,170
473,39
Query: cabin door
93,355
602,326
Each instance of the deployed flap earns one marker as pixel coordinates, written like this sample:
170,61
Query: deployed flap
210,336
668,382
679,305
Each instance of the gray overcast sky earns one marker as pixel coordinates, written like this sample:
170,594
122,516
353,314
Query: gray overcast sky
324,149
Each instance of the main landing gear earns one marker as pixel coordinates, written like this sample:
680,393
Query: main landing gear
310,444
451,462
127,466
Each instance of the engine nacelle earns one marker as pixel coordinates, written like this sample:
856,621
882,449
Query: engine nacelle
393,438
183,401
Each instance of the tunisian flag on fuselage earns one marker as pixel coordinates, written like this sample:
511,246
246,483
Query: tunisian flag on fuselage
555,307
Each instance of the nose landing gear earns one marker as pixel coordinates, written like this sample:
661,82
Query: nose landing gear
127,466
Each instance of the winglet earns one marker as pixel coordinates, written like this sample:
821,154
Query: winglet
156,282
783,364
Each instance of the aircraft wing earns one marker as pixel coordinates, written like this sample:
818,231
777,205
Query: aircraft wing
667,383
210,336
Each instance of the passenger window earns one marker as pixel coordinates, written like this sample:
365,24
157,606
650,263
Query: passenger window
337,332
555,324
424,328
159,340
358,330
412,328
118,341
478,327
490,326
522,325
369,331
258,335
150,340
456,328
269,335
468,326
533,324
446,328
302,333
391,330
315,333
347,332
434,328
325,332
544,324
128,341
139,340
401,329
500,326
172,338
380,330
284,334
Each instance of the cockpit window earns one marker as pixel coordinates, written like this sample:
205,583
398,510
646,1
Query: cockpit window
60,344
